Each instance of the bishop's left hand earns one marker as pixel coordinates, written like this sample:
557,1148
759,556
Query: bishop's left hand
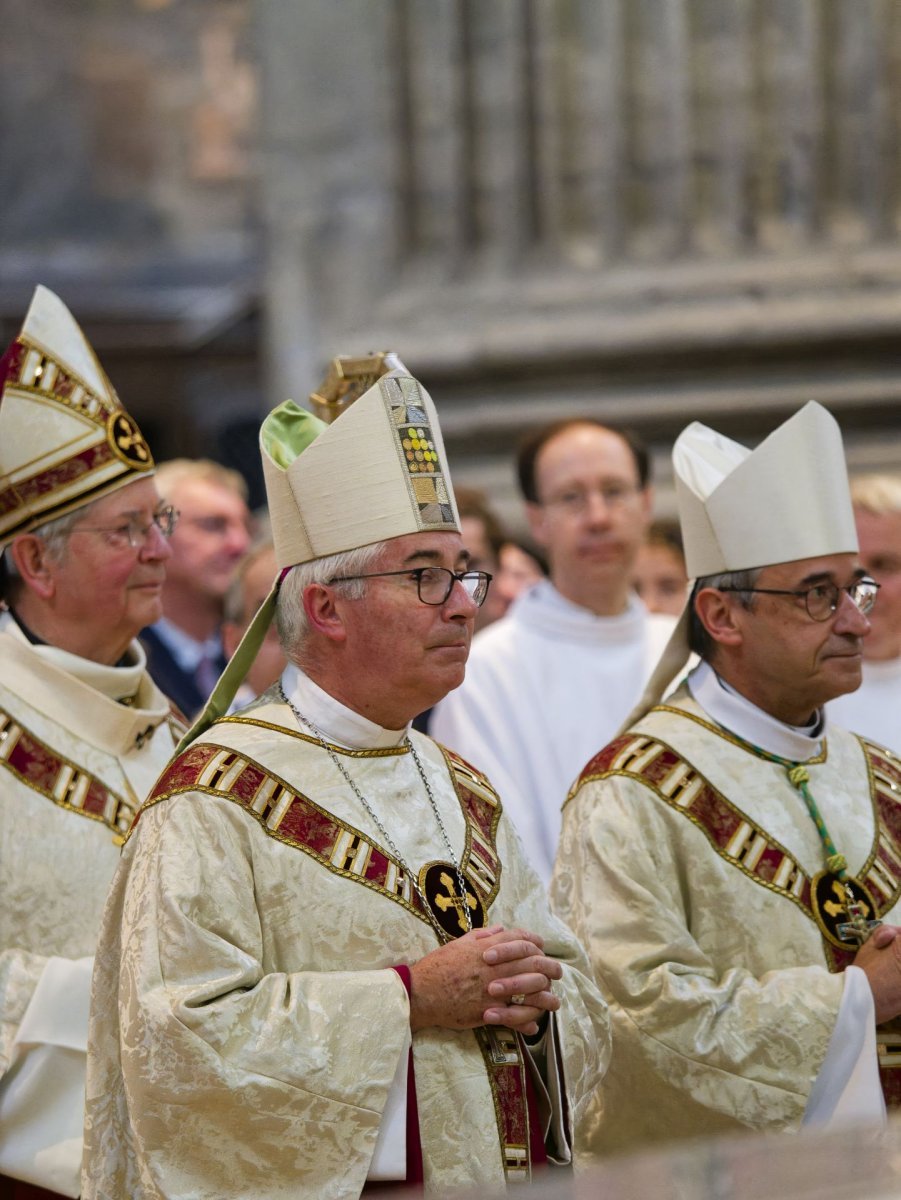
523,994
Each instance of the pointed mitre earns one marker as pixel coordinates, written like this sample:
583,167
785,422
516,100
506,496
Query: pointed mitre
740,509
65,438
786,500
378,471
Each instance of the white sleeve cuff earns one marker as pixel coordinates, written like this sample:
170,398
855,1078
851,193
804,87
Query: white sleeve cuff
57,1014
544,1064
847,1089
389,1159
42,1093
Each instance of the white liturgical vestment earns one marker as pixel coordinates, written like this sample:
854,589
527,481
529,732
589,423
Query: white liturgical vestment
693,872
250,1026
546,687
80,746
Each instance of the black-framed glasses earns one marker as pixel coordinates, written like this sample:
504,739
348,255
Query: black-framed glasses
822,599
134,532
435,584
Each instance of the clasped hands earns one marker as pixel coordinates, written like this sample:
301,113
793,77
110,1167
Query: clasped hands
880,959
472,980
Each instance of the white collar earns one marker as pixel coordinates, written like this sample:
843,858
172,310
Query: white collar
542,607
117,682
335,720
724,705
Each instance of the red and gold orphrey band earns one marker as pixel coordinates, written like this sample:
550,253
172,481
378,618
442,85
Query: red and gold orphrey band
346,851
48,492
43,770
761,858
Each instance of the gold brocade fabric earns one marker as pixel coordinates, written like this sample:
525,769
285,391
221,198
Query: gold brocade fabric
247,1024
721,999
73,765
56,863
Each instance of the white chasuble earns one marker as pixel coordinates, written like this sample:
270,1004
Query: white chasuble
689,867
248,1024
75,762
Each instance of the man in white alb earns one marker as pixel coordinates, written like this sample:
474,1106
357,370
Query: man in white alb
552,681
875,708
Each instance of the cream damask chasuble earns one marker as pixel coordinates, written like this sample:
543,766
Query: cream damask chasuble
692,864
257,1041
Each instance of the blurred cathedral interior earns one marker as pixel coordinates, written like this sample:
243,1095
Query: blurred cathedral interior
643,210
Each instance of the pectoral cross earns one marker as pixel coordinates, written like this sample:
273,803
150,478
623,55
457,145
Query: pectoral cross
454,901
857,928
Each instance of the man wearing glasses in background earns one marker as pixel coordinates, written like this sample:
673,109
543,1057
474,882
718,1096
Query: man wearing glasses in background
184,648
554,679
727,858
83,730
324,960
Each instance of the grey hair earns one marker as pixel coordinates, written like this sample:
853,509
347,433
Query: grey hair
738,583
290,617
55,535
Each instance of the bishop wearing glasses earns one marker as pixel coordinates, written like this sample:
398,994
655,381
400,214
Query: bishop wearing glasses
732,860
325,963
84,731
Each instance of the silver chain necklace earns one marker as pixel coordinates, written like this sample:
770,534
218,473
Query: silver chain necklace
414,879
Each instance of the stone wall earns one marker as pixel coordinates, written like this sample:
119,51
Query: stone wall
649,210
644,209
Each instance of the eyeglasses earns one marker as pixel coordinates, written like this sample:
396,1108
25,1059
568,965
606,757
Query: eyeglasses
133,532
435,584
822,599
576,500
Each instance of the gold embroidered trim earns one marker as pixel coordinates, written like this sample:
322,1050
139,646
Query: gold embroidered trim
59,779
505,1069
296,820
734,836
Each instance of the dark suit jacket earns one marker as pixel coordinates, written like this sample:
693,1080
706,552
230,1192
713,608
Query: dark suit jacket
179,685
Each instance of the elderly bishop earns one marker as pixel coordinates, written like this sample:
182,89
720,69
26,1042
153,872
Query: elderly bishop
83,730
325,962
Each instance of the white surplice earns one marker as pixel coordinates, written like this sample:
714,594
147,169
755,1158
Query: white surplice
546,687
874,710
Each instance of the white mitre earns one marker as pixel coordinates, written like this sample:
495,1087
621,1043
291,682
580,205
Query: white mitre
740,509
378,471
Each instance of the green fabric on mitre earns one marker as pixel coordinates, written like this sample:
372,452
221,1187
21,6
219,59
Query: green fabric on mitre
287,432
235,671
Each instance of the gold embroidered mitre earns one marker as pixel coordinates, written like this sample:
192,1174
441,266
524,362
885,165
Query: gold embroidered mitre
348,378
378,471
65,438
